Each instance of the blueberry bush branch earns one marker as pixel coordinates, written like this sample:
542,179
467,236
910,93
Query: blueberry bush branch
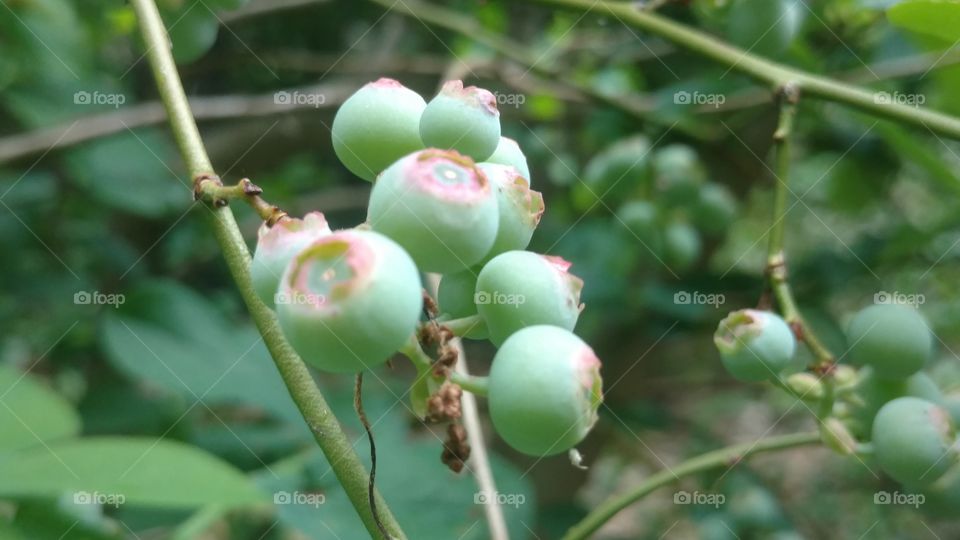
766,71
724,457
776,255
345,463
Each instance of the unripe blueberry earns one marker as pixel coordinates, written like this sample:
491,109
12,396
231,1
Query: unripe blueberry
715,209
681,245
615,173
277,245
874,392
544,390
520,208
462,119
377,125
508,153
914,441
642,218
754,345
455,294
349,300
893,338
520,288
678,174
439,206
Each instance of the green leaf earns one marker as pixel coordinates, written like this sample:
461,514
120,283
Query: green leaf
937,18
30,413
135,471
169,336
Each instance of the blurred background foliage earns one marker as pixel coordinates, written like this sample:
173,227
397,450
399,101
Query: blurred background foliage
651,195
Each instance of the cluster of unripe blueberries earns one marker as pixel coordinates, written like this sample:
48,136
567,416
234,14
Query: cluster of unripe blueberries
450,196
886,408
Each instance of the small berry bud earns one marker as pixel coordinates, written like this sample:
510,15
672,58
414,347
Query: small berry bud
439,206
544,390
377,125
464,119
277,245
349,300
520,288
754,345
806,385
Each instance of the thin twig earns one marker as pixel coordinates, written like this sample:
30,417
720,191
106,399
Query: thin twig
371,486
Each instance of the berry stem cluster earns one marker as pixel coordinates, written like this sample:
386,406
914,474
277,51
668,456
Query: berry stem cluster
316,412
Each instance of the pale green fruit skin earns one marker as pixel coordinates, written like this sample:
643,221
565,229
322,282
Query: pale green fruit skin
508,153
544,390
520,288
678,174
455,294
876,391
643,220
682,245
277,245
715,209
462,119
894,339
519,207
914,441
377,125
371,301
439,206
754,345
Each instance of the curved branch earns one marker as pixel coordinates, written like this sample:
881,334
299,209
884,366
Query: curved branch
349,471
723,457
774,74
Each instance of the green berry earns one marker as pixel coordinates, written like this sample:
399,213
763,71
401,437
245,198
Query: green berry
678,174
715,209
520,208
462,119
193,34
681,245
616,173
349,300
377,125
508,153
914,441
754,345
439,206
893,338
544,390
277,245
643,220
874,392
455,294
520,288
